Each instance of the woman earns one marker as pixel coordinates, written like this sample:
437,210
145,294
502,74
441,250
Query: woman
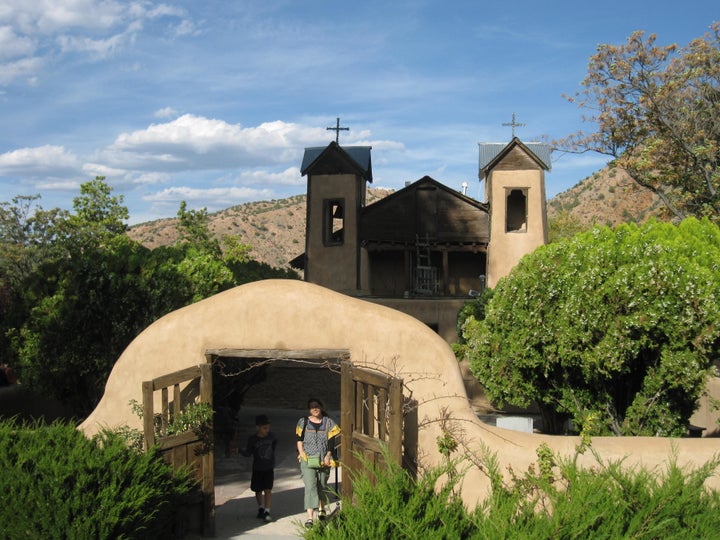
317,437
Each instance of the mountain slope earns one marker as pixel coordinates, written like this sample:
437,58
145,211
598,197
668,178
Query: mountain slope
608,197
276,229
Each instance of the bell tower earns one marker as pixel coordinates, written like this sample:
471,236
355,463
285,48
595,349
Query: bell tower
336,187
514,175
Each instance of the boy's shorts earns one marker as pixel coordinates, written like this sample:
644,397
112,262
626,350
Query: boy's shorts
262,480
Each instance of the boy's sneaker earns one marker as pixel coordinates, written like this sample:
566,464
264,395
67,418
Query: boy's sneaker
267,517
261,513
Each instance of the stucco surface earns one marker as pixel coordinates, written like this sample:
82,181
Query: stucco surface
288,314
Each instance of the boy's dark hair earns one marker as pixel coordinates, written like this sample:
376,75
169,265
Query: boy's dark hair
261,420
315,400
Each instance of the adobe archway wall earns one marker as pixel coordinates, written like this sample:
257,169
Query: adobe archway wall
288,314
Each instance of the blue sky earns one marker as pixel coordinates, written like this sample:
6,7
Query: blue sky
212,102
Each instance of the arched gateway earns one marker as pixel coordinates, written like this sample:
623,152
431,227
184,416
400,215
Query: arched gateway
295,315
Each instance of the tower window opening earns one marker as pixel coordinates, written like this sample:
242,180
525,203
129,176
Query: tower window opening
516,211
334,214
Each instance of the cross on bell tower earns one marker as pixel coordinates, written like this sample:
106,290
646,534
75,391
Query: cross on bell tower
513,124
337,129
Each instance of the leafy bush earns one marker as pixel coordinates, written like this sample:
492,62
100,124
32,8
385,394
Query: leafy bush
559,500
397,506
562,500
618,325
56,483
195,417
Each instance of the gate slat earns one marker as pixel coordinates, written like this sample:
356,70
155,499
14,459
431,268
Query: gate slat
165,414
176,400
370,405
382,413
372,420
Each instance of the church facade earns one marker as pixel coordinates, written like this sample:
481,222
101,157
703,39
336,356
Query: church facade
425,249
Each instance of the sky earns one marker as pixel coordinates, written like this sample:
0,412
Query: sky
213,102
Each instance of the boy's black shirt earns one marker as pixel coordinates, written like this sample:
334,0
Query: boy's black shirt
262,449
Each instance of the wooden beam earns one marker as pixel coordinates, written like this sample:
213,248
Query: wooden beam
176,377
281,354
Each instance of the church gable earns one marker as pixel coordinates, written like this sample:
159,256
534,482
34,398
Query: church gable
426,208
334,160
515,155
516,160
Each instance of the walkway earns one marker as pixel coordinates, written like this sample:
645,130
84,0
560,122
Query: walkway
235,504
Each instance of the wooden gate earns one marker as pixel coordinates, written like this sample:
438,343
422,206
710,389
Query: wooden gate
371,420
184,448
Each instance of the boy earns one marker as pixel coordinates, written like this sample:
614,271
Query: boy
261,446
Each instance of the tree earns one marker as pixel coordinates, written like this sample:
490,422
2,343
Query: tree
657,111
75,290
72,336
99,216
615,330
193,227
28,239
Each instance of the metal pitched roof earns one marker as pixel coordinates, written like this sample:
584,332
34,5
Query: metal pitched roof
489,151
360,155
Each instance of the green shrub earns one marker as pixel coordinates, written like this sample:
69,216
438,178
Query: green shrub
558,501
605,501
56,483
396,506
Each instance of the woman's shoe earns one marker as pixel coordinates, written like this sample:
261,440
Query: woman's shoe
309,524
321,514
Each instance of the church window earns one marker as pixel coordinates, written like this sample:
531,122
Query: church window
334,219
516,211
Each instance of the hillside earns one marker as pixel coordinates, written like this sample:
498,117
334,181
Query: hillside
608,197
276,229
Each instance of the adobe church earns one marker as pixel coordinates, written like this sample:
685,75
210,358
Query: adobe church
426,249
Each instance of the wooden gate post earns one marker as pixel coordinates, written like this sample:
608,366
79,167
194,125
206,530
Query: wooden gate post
347,402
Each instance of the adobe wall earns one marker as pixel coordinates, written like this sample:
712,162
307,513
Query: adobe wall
289,314
439,313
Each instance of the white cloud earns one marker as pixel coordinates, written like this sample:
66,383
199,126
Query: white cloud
195,142
54,16
152,179
13,45
186,27
212,199
51,16
165,112
289,177
48,160
95,27
23,68
98,47
92,170
161,10
58,185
